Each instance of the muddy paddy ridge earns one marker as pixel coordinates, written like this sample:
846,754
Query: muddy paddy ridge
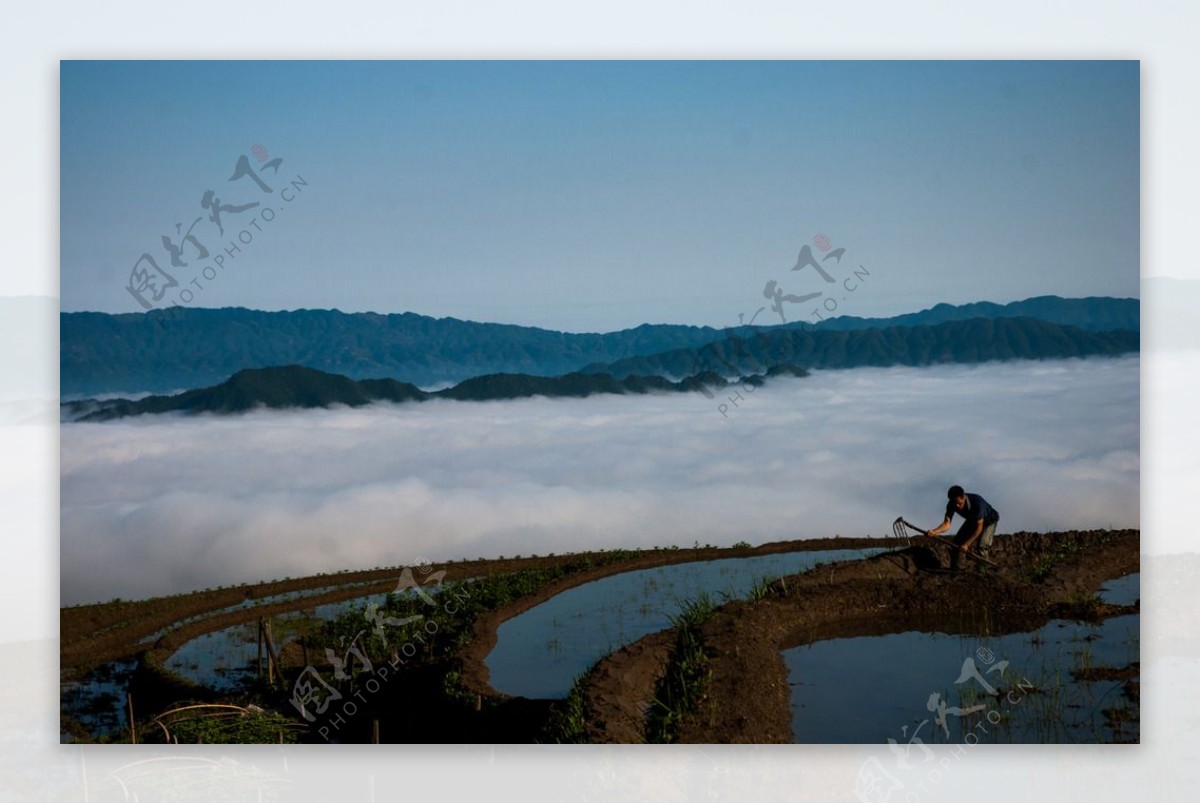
831,640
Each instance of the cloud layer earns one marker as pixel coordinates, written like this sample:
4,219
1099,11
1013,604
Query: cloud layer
163,504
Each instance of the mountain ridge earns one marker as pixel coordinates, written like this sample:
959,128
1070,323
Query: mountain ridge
162,351
976,340
714,366
286,387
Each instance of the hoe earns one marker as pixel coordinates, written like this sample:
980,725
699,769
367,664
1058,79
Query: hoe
901,530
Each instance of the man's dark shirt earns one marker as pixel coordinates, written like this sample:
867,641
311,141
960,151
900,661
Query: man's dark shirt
976,508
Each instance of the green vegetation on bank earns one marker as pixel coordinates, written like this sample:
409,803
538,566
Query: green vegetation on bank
1060,551
568,718
683,683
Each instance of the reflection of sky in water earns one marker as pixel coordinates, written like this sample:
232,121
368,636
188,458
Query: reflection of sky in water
867,689
224,659
1124,591
98,700
539,653
249,603
221,660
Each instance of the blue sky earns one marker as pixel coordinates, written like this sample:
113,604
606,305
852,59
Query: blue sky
601,195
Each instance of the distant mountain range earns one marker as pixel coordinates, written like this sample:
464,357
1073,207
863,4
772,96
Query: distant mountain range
1095,314
302,387
973,341
752,359
156,352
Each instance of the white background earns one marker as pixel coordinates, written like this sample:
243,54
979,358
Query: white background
34,37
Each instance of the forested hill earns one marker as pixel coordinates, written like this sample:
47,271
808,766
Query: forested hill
284,387
1095,313
974,341
157,352
752,359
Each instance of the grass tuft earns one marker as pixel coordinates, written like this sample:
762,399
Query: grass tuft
686,678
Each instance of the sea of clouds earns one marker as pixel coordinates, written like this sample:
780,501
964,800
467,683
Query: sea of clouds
162,504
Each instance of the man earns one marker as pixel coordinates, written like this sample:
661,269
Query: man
979,523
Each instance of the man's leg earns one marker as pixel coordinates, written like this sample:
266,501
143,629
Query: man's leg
985,540
960,538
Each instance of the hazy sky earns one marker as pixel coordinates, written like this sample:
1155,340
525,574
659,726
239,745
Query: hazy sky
213,500
599,195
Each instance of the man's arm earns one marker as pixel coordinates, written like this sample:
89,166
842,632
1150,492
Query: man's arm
978,531
942,528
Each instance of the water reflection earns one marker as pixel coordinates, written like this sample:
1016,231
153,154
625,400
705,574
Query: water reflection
225,660
539,653
1124,591
1068,682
